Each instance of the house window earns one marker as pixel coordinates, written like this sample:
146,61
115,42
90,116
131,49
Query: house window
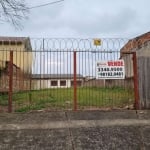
63,83
54,83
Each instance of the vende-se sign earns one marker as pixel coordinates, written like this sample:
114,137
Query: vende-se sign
110,69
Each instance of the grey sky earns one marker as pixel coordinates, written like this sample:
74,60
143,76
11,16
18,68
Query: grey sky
85,18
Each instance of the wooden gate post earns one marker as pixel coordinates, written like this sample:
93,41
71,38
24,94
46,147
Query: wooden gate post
10,82
136,85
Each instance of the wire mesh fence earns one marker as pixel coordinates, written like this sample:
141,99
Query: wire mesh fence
61,74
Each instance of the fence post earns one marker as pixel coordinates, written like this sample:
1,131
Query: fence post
135,78
75,79
10,82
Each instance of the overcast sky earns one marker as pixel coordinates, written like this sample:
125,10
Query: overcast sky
84,19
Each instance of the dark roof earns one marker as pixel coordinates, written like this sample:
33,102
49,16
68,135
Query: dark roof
7,38
55,76
16,40
136,42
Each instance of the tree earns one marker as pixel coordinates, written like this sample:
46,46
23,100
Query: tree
13,12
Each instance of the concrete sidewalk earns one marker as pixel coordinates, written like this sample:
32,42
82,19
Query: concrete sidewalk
89,130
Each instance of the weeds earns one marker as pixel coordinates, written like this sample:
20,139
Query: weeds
63,98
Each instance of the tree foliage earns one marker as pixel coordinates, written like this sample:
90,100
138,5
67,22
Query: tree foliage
13,12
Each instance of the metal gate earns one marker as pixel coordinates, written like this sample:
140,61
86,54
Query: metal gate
61,74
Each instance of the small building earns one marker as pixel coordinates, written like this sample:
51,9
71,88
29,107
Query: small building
22,62
140,45
22,52
44,81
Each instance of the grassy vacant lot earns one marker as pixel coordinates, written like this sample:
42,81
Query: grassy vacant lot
58,99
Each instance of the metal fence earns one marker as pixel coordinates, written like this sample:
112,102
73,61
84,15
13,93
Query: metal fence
60,74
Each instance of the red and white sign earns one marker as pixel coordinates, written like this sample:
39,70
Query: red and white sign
110,69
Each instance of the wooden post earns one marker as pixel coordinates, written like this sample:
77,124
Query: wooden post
136,85
75,80
10,82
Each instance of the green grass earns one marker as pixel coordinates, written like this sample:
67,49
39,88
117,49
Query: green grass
63,98
105,97
3,100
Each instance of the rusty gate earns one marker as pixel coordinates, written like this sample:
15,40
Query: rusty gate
62,74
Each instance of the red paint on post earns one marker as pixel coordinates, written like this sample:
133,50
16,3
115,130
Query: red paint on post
10,82
75,80
136,85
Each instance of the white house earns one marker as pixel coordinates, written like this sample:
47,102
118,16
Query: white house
44,81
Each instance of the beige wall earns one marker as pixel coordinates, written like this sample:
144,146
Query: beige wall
21,58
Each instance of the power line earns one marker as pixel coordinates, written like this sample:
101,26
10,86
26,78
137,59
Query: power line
42,5
38,6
